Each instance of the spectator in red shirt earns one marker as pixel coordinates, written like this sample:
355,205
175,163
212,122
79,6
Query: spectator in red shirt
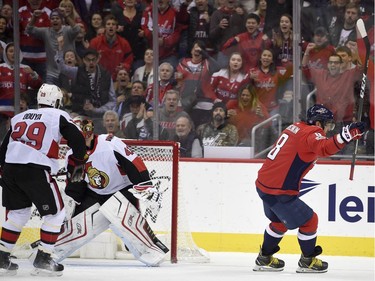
250,43
246,112
169,31
33,49
115,51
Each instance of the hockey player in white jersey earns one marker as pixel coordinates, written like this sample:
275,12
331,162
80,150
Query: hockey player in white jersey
108,198
28,158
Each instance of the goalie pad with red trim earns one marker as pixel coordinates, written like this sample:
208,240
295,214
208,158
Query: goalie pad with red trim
134,230
80,230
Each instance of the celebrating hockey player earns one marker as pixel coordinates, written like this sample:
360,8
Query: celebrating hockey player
292,156
28,158
116,178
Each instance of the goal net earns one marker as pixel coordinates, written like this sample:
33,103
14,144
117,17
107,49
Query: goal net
171,224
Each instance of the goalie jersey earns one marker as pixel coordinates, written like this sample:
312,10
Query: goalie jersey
112,166
292,157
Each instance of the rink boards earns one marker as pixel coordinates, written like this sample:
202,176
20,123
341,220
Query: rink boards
226,214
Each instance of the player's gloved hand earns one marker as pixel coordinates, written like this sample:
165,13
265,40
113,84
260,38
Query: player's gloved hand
76,168
353,131
144,190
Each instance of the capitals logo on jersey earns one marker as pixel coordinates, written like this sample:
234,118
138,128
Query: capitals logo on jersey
97,179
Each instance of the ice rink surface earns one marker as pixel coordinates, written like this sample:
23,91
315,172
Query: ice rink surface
222,267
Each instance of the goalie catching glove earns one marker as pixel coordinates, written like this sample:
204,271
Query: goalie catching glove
351,132
76,168
149,193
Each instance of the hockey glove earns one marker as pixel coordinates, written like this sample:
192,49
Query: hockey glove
76,168
353,131
149,193
144,190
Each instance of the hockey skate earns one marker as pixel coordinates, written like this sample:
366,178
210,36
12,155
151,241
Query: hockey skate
7,268
311,264
268,262
44,265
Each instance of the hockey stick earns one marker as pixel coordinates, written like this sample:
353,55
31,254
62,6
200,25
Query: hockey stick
363,33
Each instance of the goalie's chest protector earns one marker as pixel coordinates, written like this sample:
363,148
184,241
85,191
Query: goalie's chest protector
103,173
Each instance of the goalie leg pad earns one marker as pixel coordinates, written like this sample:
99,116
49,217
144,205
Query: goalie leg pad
80,230
128,223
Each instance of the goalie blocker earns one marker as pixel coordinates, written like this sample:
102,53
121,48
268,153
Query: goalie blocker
123,219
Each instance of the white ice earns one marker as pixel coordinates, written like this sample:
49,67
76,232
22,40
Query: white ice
222,267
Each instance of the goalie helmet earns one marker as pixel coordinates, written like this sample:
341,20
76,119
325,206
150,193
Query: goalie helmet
87,127
322,114
50,95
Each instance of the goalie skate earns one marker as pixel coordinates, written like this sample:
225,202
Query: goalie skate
128,223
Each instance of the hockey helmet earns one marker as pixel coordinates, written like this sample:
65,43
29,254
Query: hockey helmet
50,95
322,114
87,127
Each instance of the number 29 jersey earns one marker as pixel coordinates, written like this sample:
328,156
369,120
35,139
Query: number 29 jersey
292,156
35,137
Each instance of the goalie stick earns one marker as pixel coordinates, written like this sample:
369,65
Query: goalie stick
363,33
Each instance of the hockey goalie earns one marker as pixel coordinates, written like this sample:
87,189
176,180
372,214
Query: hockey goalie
108,197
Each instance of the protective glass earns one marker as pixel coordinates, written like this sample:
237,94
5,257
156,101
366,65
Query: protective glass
329,124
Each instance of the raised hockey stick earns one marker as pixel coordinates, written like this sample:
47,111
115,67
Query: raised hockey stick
363,33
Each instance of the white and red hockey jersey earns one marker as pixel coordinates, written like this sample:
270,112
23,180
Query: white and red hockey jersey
111,166
35,137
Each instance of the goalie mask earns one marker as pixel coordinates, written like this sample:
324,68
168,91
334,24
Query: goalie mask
50,95
322,114
87,127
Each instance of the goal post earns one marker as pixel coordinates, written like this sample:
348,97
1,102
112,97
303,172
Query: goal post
173,147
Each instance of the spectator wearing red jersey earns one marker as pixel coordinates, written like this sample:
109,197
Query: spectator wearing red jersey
246,112
317,57
28,79
196,96
226,82
169,31
267,78
115,51
335,89
33,49
250,43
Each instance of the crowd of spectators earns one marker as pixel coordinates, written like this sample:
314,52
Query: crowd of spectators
224,66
